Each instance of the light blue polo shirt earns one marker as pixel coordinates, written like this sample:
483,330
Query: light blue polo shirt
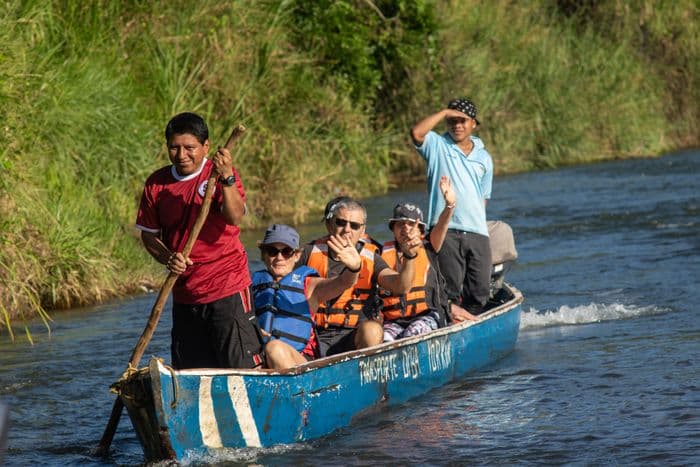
471,176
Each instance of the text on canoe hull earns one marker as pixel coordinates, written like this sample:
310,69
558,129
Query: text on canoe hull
405,363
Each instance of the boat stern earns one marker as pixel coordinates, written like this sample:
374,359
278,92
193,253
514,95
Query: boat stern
136,393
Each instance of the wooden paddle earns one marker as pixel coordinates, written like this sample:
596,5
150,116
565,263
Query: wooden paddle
103,448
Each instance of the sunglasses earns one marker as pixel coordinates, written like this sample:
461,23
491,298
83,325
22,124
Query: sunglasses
342,223
272,252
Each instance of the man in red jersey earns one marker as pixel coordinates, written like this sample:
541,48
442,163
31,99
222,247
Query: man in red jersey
213,322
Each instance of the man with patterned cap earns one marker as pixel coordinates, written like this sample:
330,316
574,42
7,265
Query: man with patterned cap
425,307
465,258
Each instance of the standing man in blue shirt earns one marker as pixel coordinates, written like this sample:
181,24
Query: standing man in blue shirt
465,258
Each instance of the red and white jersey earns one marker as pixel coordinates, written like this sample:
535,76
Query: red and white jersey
169,206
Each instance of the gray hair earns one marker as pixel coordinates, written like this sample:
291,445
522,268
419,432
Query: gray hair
348,204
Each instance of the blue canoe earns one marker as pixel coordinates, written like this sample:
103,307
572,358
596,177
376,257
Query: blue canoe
184,413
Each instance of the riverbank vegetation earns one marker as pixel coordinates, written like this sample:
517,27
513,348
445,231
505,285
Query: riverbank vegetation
328,90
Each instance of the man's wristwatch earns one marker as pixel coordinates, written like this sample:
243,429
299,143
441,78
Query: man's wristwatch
228,181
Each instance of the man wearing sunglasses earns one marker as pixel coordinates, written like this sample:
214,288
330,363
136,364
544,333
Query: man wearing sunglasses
348,321
326,215
213,322
286,296
465,258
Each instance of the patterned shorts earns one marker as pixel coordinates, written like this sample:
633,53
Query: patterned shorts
420,325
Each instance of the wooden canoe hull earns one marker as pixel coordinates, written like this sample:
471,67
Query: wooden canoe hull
193,411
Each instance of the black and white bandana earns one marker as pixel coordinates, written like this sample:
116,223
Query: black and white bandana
465,106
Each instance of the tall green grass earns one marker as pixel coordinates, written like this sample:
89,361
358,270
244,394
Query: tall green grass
549,94
99,81
328,91
665,37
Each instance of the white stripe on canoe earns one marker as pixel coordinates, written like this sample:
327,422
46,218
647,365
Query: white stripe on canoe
241,405
207,420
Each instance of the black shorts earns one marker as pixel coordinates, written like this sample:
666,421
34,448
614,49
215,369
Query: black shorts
333,340
220,334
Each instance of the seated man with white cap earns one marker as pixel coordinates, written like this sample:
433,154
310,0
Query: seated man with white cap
286,297
426,306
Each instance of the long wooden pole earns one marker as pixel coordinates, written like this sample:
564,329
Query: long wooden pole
103,448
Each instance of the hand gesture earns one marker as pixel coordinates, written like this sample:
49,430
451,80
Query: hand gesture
345,251
448,193
223,162
410,241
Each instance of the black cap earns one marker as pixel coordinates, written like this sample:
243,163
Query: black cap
407,212
465,106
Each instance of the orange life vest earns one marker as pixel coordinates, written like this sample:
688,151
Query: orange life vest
414,302
346,309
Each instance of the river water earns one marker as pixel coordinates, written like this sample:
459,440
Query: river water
606,369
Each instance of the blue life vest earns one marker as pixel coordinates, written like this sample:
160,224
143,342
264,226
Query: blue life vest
282,308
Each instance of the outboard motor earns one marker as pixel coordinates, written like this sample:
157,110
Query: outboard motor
503,255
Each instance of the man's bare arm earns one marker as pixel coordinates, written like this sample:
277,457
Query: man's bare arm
439,231
174,261
422,128
233,207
